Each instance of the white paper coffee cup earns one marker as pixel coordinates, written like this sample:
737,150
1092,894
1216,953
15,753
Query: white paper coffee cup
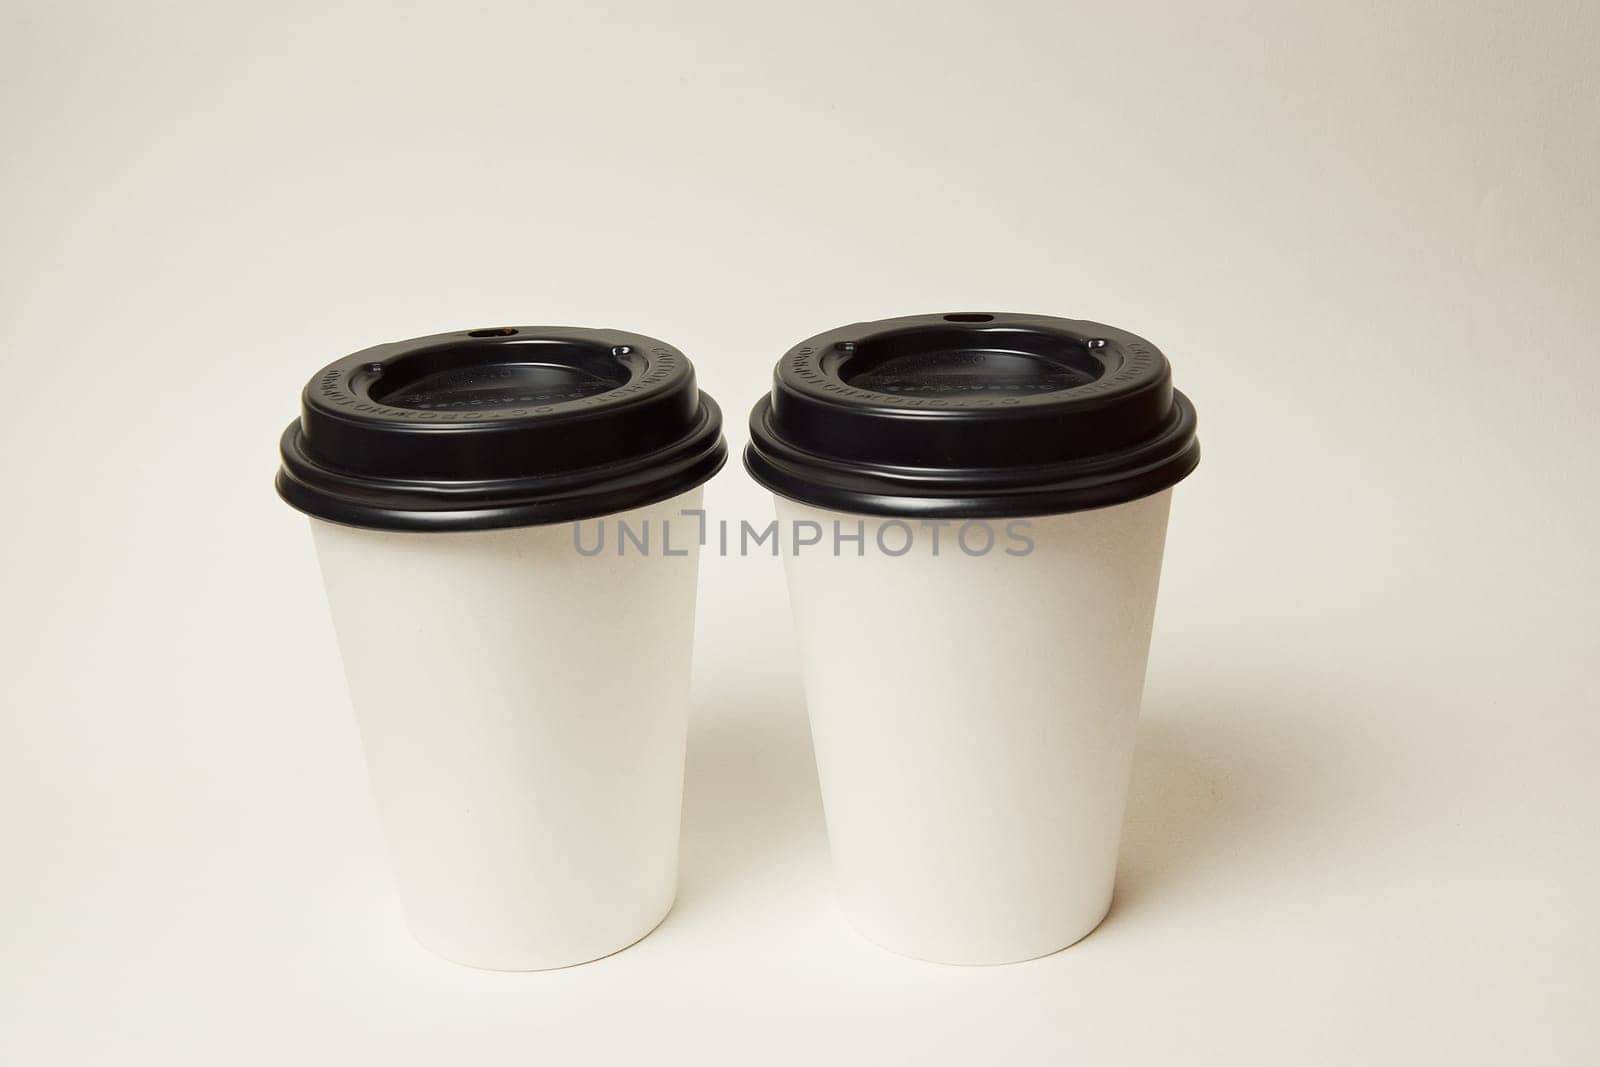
973,574
521,686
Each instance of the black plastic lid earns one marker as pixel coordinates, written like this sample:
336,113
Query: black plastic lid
510,426
972,415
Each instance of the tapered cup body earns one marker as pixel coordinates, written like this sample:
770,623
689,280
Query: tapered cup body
522,698
973,688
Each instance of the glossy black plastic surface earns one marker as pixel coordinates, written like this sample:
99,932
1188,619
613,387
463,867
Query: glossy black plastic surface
508,426
972,415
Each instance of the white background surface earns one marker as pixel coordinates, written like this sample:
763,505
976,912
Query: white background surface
1364,823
